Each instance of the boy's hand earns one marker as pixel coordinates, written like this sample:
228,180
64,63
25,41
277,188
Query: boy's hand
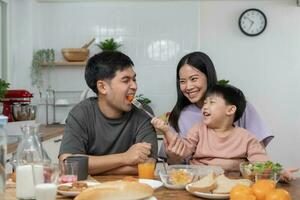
175,148
160,125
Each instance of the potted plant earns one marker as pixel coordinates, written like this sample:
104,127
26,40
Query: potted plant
109,45
141,98
3,88
223,82
40,58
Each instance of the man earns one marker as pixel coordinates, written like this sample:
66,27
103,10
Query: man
115,135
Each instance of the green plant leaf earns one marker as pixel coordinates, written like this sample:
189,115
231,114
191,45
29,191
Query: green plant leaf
3,88
223,82
40,57
109,45
141,98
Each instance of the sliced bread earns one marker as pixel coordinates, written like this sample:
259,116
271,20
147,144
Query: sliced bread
224,184
205,184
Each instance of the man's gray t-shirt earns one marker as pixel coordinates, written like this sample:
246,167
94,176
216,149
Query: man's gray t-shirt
89,132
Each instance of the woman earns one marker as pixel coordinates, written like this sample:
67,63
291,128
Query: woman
194,75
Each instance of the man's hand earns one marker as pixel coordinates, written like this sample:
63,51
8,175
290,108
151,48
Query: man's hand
137,153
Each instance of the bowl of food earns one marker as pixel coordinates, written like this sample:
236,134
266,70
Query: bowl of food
261,170
177,177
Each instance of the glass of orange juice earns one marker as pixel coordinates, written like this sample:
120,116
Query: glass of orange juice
147,168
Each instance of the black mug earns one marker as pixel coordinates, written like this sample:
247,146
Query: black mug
83,165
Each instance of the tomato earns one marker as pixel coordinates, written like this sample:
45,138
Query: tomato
278,194
130,98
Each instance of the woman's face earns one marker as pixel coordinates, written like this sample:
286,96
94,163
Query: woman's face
193,83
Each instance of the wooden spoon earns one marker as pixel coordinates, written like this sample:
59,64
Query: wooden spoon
86,45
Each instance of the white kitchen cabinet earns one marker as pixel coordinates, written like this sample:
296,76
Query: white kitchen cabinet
52,146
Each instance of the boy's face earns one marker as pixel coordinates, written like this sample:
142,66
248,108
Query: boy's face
215,111
115,92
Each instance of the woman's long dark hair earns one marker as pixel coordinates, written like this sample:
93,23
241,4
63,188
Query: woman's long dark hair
203,63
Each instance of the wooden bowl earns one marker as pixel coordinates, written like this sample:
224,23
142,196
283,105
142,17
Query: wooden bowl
75,54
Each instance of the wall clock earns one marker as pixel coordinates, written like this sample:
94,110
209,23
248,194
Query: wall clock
252,22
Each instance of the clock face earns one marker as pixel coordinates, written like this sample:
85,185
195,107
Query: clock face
252,22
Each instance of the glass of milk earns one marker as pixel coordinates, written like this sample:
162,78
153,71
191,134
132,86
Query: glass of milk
46,189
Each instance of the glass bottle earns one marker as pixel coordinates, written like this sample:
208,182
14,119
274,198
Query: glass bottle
30,158
3,143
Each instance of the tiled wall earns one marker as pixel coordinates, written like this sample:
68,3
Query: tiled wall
155,34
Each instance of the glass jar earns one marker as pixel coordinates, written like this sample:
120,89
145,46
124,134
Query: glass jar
3,143
30,158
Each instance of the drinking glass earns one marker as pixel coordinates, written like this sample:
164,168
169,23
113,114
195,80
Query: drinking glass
147,168
46,188
68,171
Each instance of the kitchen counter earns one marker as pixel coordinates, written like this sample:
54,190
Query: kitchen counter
46,132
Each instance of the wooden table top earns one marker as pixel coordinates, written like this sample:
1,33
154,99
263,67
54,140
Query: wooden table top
163,193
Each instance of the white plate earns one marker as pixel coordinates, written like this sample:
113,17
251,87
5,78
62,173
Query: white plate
74,193
152,198
153,183
208,195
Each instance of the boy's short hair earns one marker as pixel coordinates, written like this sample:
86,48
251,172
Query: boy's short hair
104,65
231,95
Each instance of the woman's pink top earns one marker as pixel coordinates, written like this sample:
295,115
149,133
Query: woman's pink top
227,152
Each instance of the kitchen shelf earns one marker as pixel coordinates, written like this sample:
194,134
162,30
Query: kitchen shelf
63,100
66,63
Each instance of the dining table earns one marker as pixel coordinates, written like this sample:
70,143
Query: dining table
163,193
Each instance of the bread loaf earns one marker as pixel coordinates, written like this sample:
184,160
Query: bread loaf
117,190
205,184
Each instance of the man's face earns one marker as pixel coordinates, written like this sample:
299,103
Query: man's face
118,89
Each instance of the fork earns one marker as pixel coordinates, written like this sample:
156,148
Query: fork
137,104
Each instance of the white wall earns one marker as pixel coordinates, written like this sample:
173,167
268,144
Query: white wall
265,67
155,34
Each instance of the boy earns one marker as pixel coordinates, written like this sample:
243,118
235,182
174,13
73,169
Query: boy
217,141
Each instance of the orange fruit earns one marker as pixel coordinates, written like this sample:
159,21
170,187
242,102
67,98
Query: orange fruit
240,191
244,197
278,194
262,187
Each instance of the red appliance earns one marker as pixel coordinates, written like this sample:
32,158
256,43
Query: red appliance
14,96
